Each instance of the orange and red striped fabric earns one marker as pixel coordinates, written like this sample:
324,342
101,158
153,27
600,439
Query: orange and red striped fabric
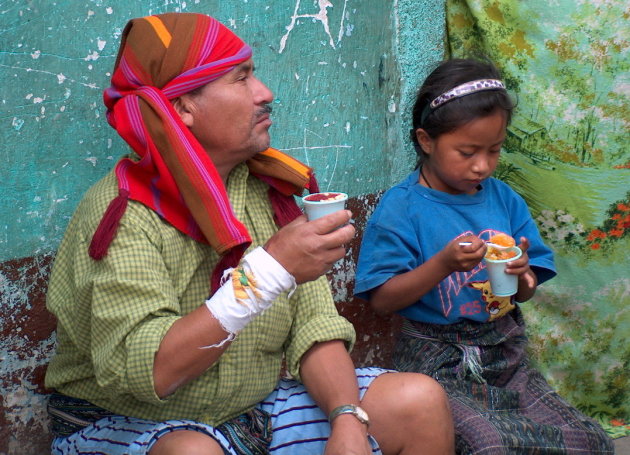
160,58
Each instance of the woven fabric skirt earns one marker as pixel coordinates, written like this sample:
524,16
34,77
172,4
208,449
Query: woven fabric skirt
499,404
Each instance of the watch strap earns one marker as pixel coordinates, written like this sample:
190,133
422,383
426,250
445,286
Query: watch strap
355,410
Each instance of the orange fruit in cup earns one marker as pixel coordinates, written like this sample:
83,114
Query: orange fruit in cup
498,252
502,240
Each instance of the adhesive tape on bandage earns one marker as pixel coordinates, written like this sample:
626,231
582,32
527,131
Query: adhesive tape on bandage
261,279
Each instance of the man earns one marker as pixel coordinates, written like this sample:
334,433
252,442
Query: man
178,296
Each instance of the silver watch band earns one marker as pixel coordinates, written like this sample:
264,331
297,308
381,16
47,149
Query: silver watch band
355,410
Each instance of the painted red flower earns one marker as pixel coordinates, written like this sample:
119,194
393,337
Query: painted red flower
615,232
595,246
596,234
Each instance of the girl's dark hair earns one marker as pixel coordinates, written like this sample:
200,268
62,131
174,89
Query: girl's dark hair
459,111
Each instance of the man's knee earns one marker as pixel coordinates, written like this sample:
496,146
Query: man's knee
189,442
420,395
410,414
409,395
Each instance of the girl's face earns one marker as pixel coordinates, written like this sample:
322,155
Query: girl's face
459,160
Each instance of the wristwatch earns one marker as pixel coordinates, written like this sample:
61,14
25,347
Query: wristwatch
356,411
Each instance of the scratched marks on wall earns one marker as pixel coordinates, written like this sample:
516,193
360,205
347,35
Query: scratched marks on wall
333,98
320,19
46,63
321,16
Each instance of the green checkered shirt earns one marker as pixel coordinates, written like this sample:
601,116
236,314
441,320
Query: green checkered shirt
113,313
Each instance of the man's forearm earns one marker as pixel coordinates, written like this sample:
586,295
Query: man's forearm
180,358
328,374
196,341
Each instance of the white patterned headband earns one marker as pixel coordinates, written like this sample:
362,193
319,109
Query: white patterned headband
457,92
466,89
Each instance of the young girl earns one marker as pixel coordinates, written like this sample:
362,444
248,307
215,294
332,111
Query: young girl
412,261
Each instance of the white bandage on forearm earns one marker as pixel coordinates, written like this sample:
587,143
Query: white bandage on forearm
263,280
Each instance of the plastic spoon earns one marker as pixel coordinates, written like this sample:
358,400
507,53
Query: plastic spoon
493,245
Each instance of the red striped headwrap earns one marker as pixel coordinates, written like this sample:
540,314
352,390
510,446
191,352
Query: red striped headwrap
160,58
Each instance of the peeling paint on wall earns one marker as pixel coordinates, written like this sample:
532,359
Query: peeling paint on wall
375,335
321,16
27,340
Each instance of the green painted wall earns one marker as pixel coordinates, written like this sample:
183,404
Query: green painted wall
343,72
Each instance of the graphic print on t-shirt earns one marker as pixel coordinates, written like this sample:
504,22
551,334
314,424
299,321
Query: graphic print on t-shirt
495,305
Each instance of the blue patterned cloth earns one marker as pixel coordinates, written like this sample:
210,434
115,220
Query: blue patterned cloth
298,425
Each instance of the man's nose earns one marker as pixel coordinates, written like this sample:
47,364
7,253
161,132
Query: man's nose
262,93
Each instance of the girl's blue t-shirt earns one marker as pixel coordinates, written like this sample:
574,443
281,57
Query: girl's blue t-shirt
413,223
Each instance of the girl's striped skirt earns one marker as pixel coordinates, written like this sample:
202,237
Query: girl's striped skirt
500,405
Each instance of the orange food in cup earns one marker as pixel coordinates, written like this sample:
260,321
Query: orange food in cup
502,239
497,255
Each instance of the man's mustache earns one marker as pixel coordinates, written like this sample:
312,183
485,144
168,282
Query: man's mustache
266,109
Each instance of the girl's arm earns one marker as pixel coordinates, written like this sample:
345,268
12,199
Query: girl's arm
407,288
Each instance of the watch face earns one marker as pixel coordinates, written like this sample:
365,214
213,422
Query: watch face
361,414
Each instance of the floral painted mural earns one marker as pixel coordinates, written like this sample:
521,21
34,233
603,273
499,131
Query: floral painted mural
568,154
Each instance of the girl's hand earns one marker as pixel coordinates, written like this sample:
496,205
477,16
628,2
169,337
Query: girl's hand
527,281
519,266
463,258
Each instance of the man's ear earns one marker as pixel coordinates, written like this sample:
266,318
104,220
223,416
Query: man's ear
425,141
183,105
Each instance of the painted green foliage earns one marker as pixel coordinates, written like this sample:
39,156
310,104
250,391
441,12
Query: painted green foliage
566,152
567,69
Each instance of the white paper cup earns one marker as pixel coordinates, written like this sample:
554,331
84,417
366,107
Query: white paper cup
502,284
319,207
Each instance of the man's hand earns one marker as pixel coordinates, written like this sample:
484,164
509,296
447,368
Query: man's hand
308,249
348,437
